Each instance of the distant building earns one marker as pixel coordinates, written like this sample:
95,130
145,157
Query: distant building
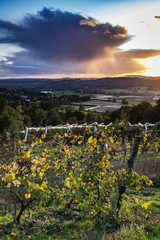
27,100
47,92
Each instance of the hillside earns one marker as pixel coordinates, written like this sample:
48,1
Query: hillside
151,83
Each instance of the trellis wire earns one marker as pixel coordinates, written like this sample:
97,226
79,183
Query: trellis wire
68,127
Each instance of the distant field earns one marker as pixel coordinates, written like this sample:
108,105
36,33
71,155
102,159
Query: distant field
102,103
117,91
74,107
94,101
61,93
140,90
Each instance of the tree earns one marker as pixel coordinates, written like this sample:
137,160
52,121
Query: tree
91,117
53,117
80,115
47,105
81,107
69,113
37,114
16,120
11,119
139,112
124,102
3,105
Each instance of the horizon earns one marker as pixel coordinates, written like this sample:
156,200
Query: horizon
79,39
79,78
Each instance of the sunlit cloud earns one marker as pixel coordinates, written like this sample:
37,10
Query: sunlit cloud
152,66
139,53
157,17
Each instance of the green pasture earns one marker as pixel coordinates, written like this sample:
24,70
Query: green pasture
134,90
73,107
62,93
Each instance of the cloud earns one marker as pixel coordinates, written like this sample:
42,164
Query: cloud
139,53
55,35
157,17
23,63
109,65
141,21
54,42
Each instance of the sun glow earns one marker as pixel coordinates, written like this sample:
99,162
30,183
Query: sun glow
153,66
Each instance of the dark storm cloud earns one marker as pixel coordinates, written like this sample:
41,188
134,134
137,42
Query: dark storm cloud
55,35
139,53
10,26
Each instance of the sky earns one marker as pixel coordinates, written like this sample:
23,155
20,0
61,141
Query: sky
79,38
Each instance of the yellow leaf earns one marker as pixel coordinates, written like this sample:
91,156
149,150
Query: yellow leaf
68,184
136,200
13,234
27,154
90,140
13,176
103,210
46,150
95,141
65,134
41,174
144,205
40,141
126,196
111,140
68,179
138,188
43,185
27,196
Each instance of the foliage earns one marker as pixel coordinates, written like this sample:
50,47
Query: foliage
70,174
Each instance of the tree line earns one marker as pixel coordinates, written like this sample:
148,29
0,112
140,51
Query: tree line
15,117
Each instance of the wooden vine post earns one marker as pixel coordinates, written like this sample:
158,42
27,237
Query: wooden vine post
26,134
45,131
131,162
15,202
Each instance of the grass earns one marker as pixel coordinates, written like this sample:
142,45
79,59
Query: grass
148,164
67,224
